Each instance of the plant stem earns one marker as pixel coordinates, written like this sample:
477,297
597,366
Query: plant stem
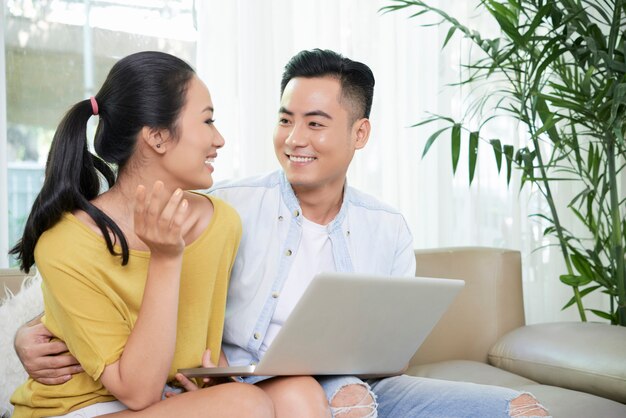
557,224
525,100
617,249
616,237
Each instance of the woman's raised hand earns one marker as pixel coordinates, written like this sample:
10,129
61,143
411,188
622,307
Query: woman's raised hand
159,219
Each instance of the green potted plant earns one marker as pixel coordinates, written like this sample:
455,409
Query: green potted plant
558,67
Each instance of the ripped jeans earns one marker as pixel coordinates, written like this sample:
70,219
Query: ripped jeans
409,396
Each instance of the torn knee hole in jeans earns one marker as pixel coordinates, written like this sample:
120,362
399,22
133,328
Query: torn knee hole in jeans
526,405
366,403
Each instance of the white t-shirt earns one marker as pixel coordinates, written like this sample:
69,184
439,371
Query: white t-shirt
314,255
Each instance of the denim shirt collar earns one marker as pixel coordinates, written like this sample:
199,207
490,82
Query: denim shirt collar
291,201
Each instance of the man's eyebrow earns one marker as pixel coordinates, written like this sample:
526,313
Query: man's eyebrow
318,113
311,113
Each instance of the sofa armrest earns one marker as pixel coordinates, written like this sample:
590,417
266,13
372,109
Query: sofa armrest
11,280
490,305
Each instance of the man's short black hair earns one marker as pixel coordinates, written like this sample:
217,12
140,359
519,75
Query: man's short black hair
356,78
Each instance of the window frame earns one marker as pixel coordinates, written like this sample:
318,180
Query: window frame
4,204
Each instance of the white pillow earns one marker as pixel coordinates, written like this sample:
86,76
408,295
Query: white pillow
15,310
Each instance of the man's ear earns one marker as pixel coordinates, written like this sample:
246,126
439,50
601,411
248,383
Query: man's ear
361,132
156,139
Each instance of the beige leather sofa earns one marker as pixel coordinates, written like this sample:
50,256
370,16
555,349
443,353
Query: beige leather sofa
10,279
574,369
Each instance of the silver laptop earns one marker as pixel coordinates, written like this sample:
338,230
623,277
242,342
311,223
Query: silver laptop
351,324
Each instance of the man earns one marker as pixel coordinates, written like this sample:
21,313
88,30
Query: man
305,219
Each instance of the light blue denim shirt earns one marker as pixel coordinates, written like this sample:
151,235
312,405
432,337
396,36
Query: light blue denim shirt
366,235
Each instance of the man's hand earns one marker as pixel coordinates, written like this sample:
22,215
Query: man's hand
42,357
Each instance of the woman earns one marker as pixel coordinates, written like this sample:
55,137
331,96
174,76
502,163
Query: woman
135,278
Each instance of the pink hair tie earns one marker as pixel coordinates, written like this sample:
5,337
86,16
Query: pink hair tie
94,105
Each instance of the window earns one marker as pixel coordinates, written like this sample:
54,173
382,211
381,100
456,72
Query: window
56,53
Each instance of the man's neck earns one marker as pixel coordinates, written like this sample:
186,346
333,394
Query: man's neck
320,205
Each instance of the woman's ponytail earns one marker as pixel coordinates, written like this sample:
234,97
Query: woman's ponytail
71,181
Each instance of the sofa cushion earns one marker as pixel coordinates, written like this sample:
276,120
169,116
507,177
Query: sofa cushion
560,402
469,371
583,356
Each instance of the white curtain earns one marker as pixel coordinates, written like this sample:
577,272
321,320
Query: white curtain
4,206
242,48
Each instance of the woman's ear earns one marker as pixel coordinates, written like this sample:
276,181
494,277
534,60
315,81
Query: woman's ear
156,139
361,132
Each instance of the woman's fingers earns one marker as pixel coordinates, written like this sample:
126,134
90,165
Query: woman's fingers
171,207
159,218
186,383
189,385
206,362
179,216
154,202
140,208
206,359
174,214
212,381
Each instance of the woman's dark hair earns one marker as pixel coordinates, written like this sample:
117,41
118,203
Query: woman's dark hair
356,78
146,89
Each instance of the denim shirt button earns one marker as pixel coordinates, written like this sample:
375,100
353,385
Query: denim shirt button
257,335
275,294
296,213
288,253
